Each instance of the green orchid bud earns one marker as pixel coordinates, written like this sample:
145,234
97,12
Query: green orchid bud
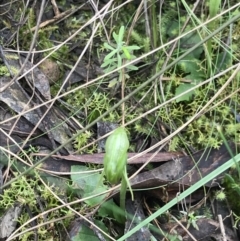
115,158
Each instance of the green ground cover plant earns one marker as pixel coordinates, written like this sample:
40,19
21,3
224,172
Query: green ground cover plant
119,55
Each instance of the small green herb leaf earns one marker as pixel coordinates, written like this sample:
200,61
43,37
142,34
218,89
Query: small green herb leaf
110,209
88,184
182,88
112,83
118,53
132,67
132,47
126,52
85,233
110,55
108,62
107,46
121,34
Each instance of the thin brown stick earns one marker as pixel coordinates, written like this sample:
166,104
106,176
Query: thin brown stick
97,158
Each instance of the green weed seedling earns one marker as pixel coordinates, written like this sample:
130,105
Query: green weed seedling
237,220
192,219
120,54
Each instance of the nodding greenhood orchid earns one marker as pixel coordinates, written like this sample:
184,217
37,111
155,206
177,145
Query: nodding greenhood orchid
115,162
115,158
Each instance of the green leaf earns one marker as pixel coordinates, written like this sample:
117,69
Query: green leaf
88,184
214,7
196,77
112,83
115,36
108,56
121,34
192,66
182,88
132,67
186,42
132,47
107,46
57,182
119,60
111,67
126,52
112,210
109,62
86,234
189,41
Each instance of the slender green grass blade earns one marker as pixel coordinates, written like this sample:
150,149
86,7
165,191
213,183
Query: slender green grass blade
183,195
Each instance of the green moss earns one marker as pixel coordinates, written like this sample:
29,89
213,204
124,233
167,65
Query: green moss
4,71
30,192
232,189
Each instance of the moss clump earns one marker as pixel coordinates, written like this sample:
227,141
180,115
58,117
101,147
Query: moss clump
36,198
